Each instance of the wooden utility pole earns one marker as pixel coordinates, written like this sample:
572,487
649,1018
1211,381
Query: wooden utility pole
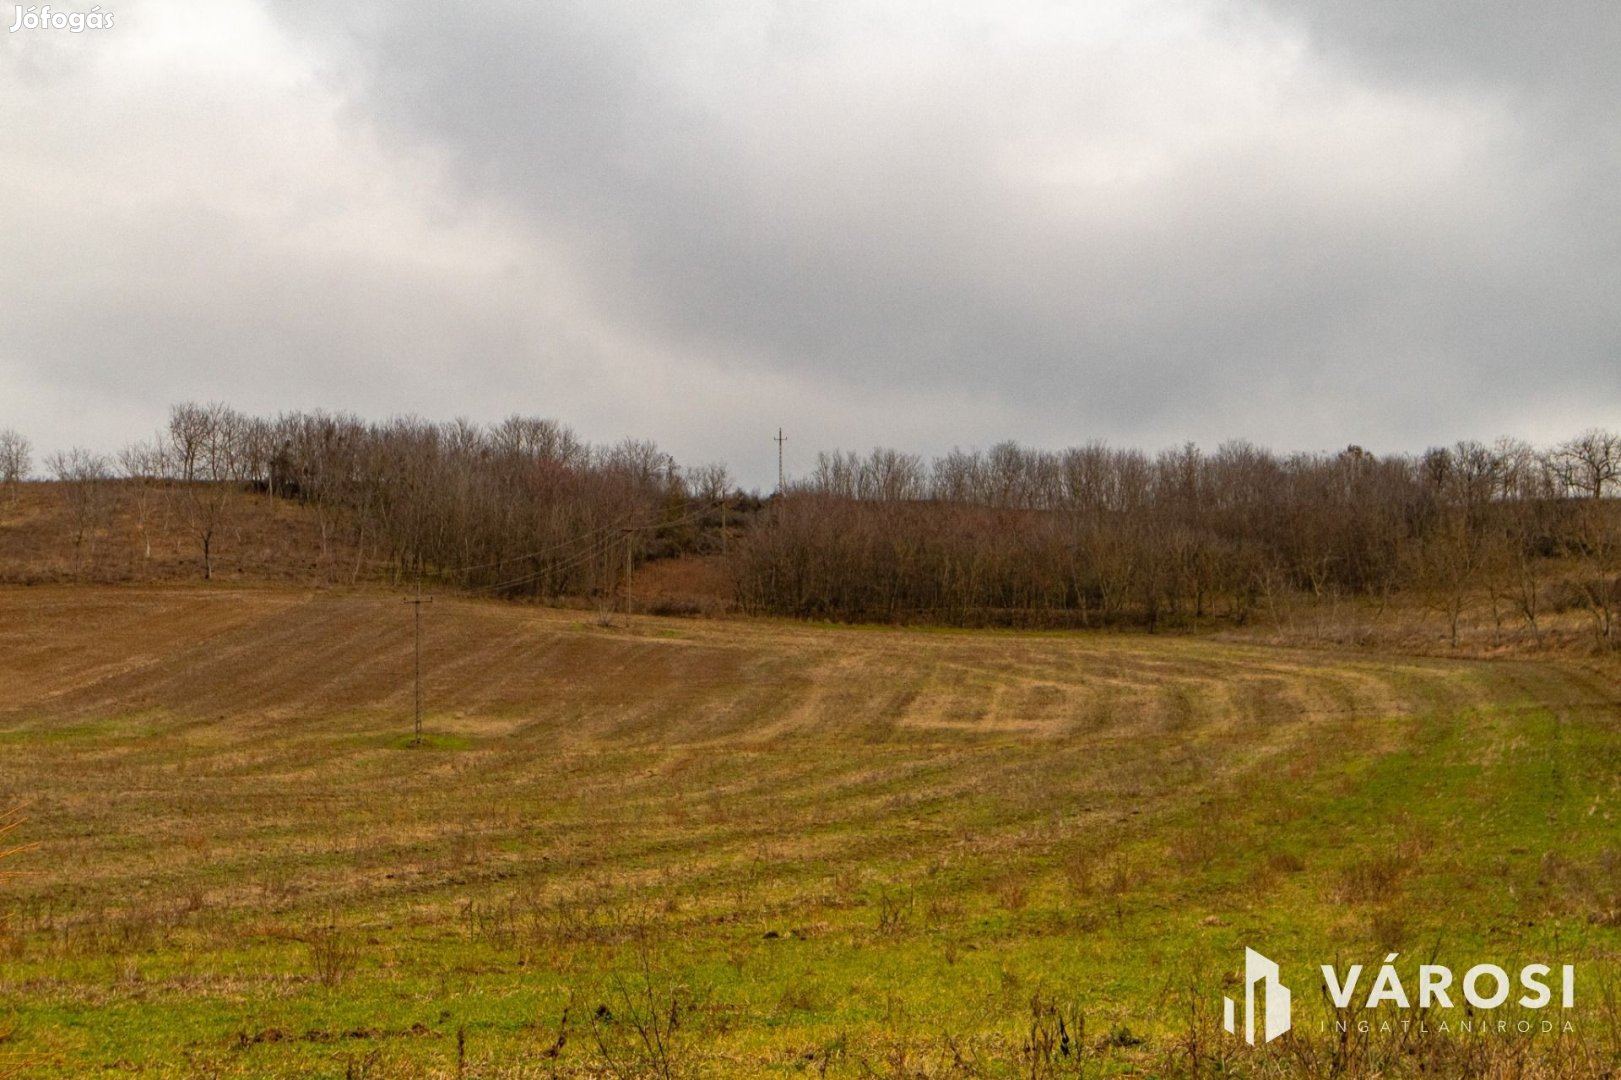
779,440
628,535
417,601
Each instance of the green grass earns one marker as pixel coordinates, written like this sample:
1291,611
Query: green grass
834,852
427,741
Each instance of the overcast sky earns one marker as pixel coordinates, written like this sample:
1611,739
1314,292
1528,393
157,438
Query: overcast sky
920,224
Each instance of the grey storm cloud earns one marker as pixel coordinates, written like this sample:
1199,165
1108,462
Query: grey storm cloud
893,193
1564,49
923,224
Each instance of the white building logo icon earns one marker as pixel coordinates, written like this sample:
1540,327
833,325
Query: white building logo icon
1275,1000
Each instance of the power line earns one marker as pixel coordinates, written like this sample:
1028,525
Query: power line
599,548
610,527
607,533
602,547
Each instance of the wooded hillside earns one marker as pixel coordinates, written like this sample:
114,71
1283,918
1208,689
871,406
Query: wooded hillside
1090,536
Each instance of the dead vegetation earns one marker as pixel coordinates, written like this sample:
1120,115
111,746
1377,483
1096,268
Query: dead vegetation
735,847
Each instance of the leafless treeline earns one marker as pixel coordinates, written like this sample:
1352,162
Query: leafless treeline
1097,535
522,506
519,507
1093,535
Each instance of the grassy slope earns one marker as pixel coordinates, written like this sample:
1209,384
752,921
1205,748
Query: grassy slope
840,851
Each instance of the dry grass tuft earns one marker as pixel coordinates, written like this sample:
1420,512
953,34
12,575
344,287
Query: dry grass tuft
10,1064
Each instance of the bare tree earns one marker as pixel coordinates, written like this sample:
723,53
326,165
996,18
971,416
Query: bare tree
1589,463
144,465
207,446
712,485
834,474
15,460
890,476
1597,544
82,477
